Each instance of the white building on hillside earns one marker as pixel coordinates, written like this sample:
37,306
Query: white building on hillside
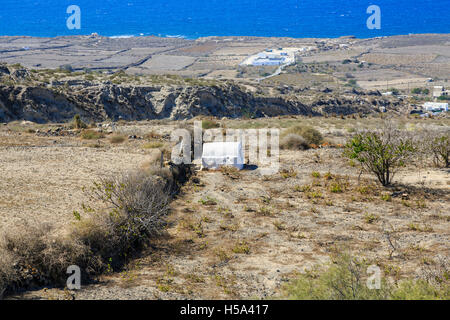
219,154
435,106
264,59
440,91
273,57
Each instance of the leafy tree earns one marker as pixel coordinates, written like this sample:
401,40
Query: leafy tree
440,148
381,153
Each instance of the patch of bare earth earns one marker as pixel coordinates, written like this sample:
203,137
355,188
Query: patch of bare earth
42,177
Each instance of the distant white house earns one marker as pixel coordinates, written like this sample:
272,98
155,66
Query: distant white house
440,91
273,57
217,154
435,106
264,59
437,91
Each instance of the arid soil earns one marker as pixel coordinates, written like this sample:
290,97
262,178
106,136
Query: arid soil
237,234
230,234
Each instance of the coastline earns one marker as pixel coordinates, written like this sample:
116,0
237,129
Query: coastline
187,37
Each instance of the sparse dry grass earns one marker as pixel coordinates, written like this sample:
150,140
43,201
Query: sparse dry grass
153,145
116,139
289,220
91,135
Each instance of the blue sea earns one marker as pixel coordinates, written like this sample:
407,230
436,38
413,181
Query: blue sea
198,18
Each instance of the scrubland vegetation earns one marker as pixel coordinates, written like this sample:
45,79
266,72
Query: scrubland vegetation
132,211
300,138
352,191
345,278
335,186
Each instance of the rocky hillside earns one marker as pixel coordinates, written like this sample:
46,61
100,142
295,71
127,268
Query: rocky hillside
21,98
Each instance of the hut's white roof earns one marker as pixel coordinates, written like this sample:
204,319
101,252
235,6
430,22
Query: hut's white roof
218,154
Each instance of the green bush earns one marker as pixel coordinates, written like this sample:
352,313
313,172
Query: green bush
210,124
89,77
77,123
420,290
381,152
420,91
344,278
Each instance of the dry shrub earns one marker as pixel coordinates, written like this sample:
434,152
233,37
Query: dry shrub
166,151
40,257
438,272
152,135
134,207
310,135
116,139
293,141
154,159
8,274
153,145
133,210
230,171
91,135
165,173
439,146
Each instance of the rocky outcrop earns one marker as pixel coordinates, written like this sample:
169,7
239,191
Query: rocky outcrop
107,101
347,105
